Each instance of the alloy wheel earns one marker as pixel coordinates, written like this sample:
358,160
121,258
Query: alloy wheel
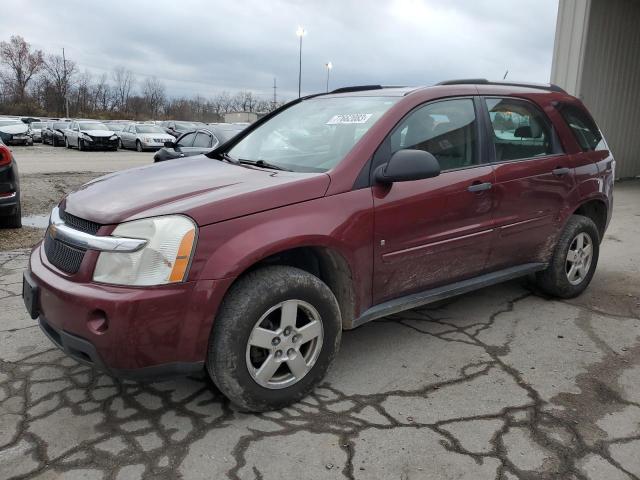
284,344
579,258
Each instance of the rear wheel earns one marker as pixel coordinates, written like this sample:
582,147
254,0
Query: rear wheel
274,338
574,259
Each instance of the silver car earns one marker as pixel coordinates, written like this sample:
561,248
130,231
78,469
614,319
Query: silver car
144,136
36,130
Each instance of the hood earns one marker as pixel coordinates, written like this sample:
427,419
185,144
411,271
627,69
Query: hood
15,129
98,133
207,190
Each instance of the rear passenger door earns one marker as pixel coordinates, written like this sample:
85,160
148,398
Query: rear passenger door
533,181
434,231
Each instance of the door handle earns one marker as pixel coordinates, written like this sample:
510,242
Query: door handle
479,187
559,171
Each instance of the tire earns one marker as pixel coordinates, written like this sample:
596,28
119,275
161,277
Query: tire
80,145
120,145
138,146
66,143
54,142
233,364
563,277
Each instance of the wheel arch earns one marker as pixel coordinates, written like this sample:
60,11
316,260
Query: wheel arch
323,261
596,209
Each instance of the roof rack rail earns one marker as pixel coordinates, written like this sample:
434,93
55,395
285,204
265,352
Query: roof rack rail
483,81
357,88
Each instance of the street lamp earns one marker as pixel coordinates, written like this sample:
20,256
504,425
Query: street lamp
300,32
329,66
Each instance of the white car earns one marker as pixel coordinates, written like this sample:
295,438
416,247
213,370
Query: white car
85,135
144,136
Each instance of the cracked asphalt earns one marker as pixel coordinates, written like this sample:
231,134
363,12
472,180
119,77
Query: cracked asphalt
500,384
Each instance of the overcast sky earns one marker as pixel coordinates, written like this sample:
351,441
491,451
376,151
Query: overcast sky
209,46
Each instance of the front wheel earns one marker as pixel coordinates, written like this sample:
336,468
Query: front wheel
66,143
274,338
138,146
574,259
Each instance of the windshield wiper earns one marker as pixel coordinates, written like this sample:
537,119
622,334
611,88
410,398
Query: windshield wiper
225,156
263,164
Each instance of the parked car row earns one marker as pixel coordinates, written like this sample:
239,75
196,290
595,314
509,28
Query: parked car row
173,139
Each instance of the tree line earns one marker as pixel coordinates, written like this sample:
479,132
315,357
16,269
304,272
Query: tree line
39,84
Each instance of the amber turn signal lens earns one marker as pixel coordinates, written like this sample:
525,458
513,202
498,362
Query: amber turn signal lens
182,259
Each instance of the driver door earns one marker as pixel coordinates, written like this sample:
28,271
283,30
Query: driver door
438,230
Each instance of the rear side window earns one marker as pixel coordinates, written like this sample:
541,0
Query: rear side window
446,129
187,140
584,128
519,130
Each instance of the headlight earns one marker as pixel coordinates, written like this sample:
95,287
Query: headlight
164,259
86,137
113,137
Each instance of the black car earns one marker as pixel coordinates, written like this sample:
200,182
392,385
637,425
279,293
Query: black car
198,141
10,215
53,133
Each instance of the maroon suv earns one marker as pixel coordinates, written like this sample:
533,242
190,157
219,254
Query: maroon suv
332,211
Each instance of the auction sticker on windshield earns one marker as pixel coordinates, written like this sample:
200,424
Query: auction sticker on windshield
349,118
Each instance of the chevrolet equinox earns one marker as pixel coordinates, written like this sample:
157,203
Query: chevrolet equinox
332,211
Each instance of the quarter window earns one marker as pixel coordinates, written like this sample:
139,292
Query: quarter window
584,128
446,129
519,130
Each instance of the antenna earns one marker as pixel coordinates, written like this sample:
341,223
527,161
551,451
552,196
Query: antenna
505,75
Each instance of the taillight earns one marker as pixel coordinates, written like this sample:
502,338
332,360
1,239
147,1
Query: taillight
5,156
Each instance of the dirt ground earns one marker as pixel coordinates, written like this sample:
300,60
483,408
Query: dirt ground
40,193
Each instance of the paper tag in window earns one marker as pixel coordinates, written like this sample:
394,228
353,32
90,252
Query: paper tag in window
349,118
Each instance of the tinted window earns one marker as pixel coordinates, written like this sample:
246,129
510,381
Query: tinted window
445,129
203,140
61,125
519,129
187,140
584,128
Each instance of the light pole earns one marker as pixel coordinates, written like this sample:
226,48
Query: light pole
329,66
300,32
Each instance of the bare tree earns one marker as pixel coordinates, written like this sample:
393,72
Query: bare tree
60,73
124,81
22,64
154,95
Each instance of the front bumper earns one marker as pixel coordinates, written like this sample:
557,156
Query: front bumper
150,332
100,144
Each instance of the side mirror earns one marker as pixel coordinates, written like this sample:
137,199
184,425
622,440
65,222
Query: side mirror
407,165
170,144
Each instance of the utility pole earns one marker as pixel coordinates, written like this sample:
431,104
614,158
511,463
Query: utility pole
64,69
275,101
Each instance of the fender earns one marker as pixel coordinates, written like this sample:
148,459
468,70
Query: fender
342,223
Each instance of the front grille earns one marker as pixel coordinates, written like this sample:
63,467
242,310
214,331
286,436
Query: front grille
63,256
159,140
81,224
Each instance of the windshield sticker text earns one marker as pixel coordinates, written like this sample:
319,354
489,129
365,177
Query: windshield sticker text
349,118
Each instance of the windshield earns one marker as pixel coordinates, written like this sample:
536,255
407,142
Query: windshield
116,127
10,122
37,125
61,125
149,129
93,126
314,135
